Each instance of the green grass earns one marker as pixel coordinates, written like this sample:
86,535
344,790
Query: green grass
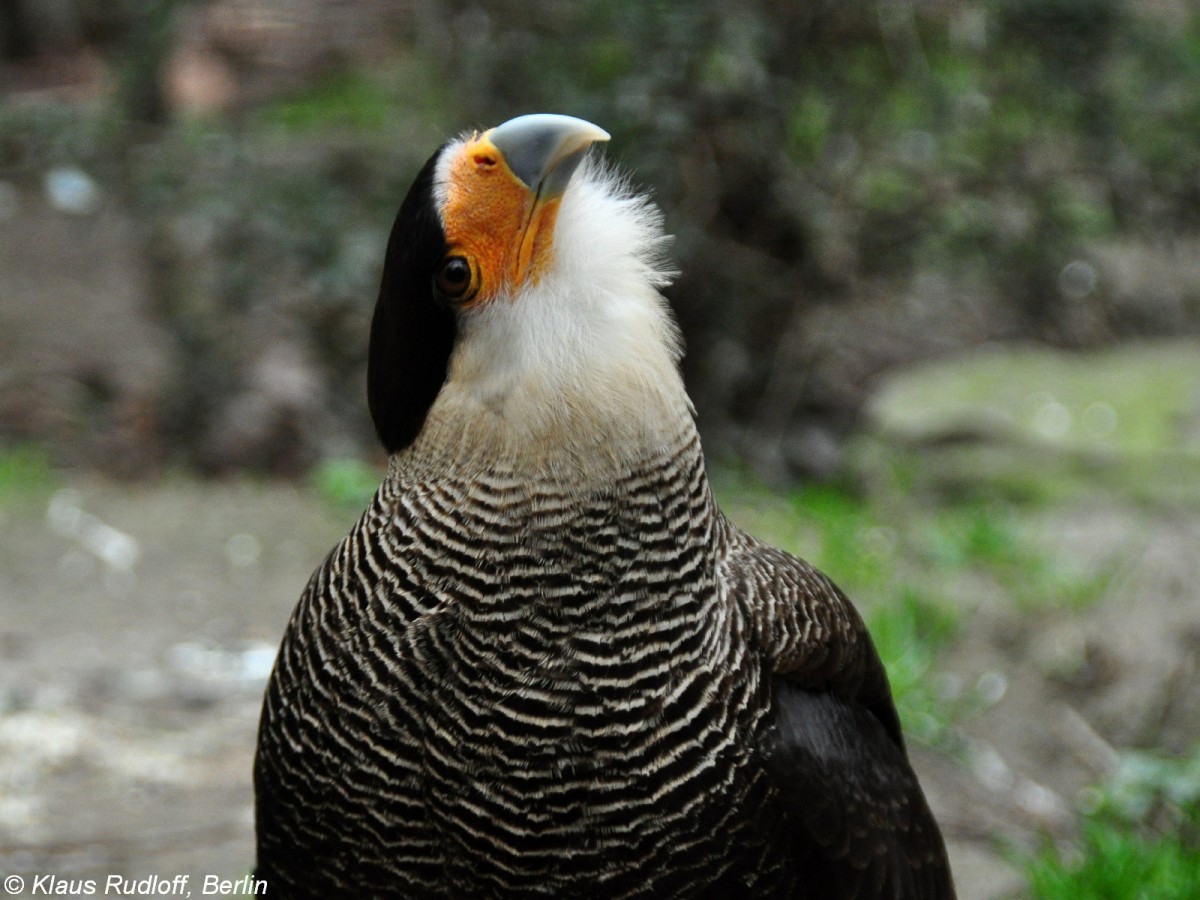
1113,863
909,633
1141,838
989,537
1036,425
346,484
1145,783
24,473
849,539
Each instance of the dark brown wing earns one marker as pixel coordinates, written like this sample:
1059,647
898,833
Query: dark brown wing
861,825
859,822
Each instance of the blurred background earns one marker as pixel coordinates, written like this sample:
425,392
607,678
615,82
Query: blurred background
940,286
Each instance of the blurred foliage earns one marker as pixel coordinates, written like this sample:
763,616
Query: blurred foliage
348,100
852,186
346,484
1141,838
1114,862
1149,786
988,535
1132,401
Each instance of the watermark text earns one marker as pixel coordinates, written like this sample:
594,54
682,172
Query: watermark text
124,886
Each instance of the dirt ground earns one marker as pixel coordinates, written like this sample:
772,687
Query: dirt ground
138,624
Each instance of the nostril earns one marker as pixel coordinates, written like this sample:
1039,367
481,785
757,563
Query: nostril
485,160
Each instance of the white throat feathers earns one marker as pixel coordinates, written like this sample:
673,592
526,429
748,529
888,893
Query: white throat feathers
578,366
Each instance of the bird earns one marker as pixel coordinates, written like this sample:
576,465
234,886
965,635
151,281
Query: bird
544,663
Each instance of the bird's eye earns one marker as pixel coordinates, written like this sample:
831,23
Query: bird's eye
454,278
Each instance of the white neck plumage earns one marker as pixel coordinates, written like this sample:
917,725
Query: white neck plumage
578,372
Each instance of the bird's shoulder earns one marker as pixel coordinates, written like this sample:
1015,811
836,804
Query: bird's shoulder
836,755
806,629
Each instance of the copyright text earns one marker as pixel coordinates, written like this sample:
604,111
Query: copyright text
121,886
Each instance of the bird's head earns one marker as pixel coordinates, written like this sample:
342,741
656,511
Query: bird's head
520,290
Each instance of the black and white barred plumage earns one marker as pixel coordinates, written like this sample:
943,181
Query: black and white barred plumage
543,663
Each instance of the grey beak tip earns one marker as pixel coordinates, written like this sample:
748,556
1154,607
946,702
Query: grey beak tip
534,146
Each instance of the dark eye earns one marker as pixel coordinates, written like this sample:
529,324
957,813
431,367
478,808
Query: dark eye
453,278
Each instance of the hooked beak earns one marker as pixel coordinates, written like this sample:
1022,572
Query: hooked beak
543,150
503,192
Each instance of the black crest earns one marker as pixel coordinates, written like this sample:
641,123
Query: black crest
412,332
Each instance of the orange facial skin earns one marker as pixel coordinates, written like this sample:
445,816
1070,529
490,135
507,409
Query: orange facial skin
496,221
